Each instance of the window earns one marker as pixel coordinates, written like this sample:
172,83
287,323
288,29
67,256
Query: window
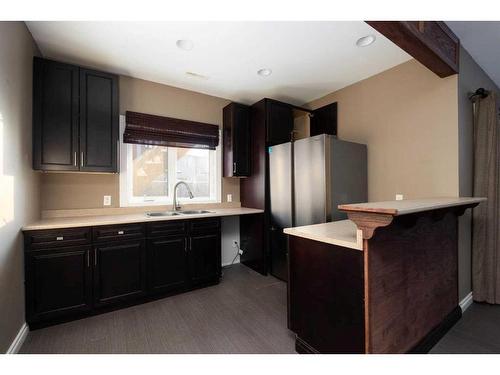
149,173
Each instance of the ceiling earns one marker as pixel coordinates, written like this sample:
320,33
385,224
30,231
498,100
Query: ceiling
482,40
308,59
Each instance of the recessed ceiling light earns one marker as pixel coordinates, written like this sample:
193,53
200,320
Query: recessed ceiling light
264,72
185,44
365,41
196,75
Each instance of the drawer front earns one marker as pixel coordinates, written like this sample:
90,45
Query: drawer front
42,239
166,228
117,232
204,225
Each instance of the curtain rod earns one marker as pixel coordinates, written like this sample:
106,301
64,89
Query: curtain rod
480,92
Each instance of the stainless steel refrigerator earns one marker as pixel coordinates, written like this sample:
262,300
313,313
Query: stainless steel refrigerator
308,179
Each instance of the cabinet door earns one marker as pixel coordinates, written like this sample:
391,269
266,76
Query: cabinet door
119,272
236,118
55,116
98,121
167,269
279,122
324,120
58,282
204,258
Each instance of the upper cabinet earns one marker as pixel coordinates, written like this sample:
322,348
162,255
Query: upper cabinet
236,120
279,122
324,120
75,118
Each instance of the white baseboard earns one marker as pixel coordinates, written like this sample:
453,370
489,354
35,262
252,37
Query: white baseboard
466,302
18,340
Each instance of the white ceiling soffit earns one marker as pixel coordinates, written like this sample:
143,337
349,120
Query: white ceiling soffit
307,59
482,40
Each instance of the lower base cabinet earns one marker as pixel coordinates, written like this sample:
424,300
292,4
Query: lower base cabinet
119,272
130,264
204,259
168,260
58,282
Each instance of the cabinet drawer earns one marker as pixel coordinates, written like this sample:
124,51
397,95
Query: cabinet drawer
204,225
166,228
117,232
41,239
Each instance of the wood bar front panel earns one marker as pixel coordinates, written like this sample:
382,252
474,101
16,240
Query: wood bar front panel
326,296
411,280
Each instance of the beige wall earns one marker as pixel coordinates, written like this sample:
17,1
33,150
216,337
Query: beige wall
71,191
408,117
18,183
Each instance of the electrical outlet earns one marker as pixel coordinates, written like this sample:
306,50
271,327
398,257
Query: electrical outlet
399,197
230,197
235,244
107,200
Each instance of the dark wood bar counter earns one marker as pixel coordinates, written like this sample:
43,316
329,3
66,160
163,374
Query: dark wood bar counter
384,281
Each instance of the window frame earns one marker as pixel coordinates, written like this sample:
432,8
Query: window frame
125,175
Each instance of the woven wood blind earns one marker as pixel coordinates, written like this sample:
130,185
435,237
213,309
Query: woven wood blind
147,129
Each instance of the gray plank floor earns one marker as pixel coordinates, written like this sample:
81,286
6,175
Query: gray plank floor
478,332
245,313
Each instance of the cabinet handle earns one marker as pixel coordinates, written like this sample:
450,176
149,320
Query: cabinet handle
88,259
81,159
185,246
75,161
234,167
95,257
60,238
120,232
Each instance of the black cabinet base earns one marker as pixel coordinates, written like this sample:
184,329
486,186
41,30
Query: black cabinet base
118,306
433,337
424,346
303,347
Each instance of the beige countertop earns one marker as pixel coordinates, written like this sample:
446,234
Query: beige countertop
408,206
342,233
89,221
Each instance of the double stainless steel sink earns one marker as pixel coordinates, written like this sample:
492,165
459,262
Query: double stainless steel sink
176,213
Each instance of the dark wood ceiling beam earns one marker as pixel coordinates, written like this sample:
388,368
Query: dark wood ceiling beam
430,42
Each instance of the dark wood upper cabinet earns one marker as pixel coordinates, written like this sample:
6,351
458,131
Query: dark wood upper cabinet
98,121
279,122
236,120
324,120
430,42
75,118
55,116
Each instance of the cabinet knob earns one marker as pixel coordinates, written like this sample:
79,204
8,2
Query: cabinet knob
120,232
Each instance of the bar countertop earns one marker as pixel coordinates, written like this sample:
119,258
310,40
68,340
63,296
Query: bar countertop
341,233
409,206
347,234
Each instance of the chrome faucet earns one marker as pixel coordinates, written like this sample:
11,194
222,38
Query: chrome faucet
176,205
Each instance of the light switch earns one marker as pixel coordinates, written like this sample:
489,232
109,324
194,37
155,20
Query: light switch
399,197
107,200
230,197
